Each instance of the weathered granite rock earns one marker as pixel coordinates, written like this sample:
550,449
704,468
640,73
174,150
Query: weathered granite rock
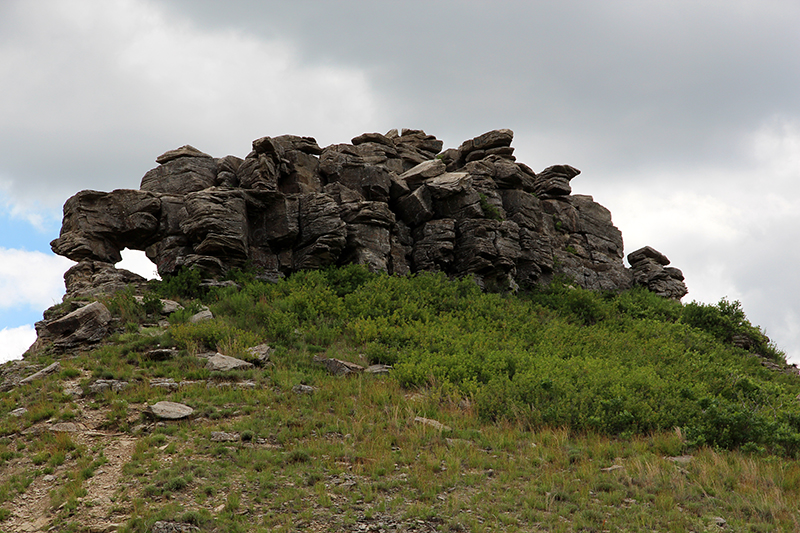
393,202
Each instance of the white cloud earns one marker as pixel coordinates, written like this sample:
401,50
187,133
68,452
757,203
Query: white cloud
31,279
94,90
14,342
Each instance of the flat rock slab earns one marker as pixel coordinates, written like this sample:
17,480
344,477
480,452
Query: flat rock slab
222,436
55,367
337,366
378,369
224,363
432,423
66,427
170,410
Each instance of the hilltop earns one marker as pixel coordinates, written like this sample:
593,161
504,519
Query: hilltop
381,336
386,403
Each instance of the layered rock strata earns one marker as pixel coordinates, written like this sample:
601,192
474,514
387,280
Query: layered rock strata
395,203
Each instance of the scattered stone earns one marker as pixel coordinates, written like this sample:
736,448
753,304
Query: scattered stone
432,423
378,369
201,316
338,367
50,369
304,389
169,410
102,385
164,383
612,468
170,306
18,412
224,363
242,385
161,354
261,352
680,459
66,427
166,526
719,522
221,436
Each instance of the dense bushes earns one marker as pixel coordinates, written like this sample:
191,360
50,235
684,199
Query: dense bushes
612,363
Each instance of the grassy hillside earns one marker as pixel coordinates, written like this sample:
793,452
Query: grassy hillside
554,410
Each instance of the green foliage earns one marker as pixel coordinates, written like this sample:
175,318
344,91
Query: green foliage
618,364
213,334
184,284
123,305
727,322
182,316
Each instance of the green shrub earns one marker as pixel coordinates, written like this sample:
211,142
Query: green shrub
184,284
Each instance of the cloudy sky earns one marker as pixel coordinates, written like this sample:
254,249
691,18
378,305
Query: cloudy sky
684,116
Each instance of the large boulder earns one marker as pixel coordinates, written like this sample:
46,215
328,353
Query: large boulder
87,325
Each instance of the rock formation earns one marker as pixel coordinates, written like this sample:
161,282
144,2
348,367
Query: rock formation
395,203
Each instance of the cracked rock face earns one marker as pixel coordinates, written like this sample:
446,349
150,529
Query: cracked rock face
393,202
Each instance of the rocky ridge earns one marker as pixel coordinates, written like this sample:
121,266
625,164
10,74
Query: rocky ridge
396,203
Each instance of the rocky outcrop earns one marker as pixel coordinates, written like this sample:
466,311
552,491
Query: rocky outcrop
650,269
395,203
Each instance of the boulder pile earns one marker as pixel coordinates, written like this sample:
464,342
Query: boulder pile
396,203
